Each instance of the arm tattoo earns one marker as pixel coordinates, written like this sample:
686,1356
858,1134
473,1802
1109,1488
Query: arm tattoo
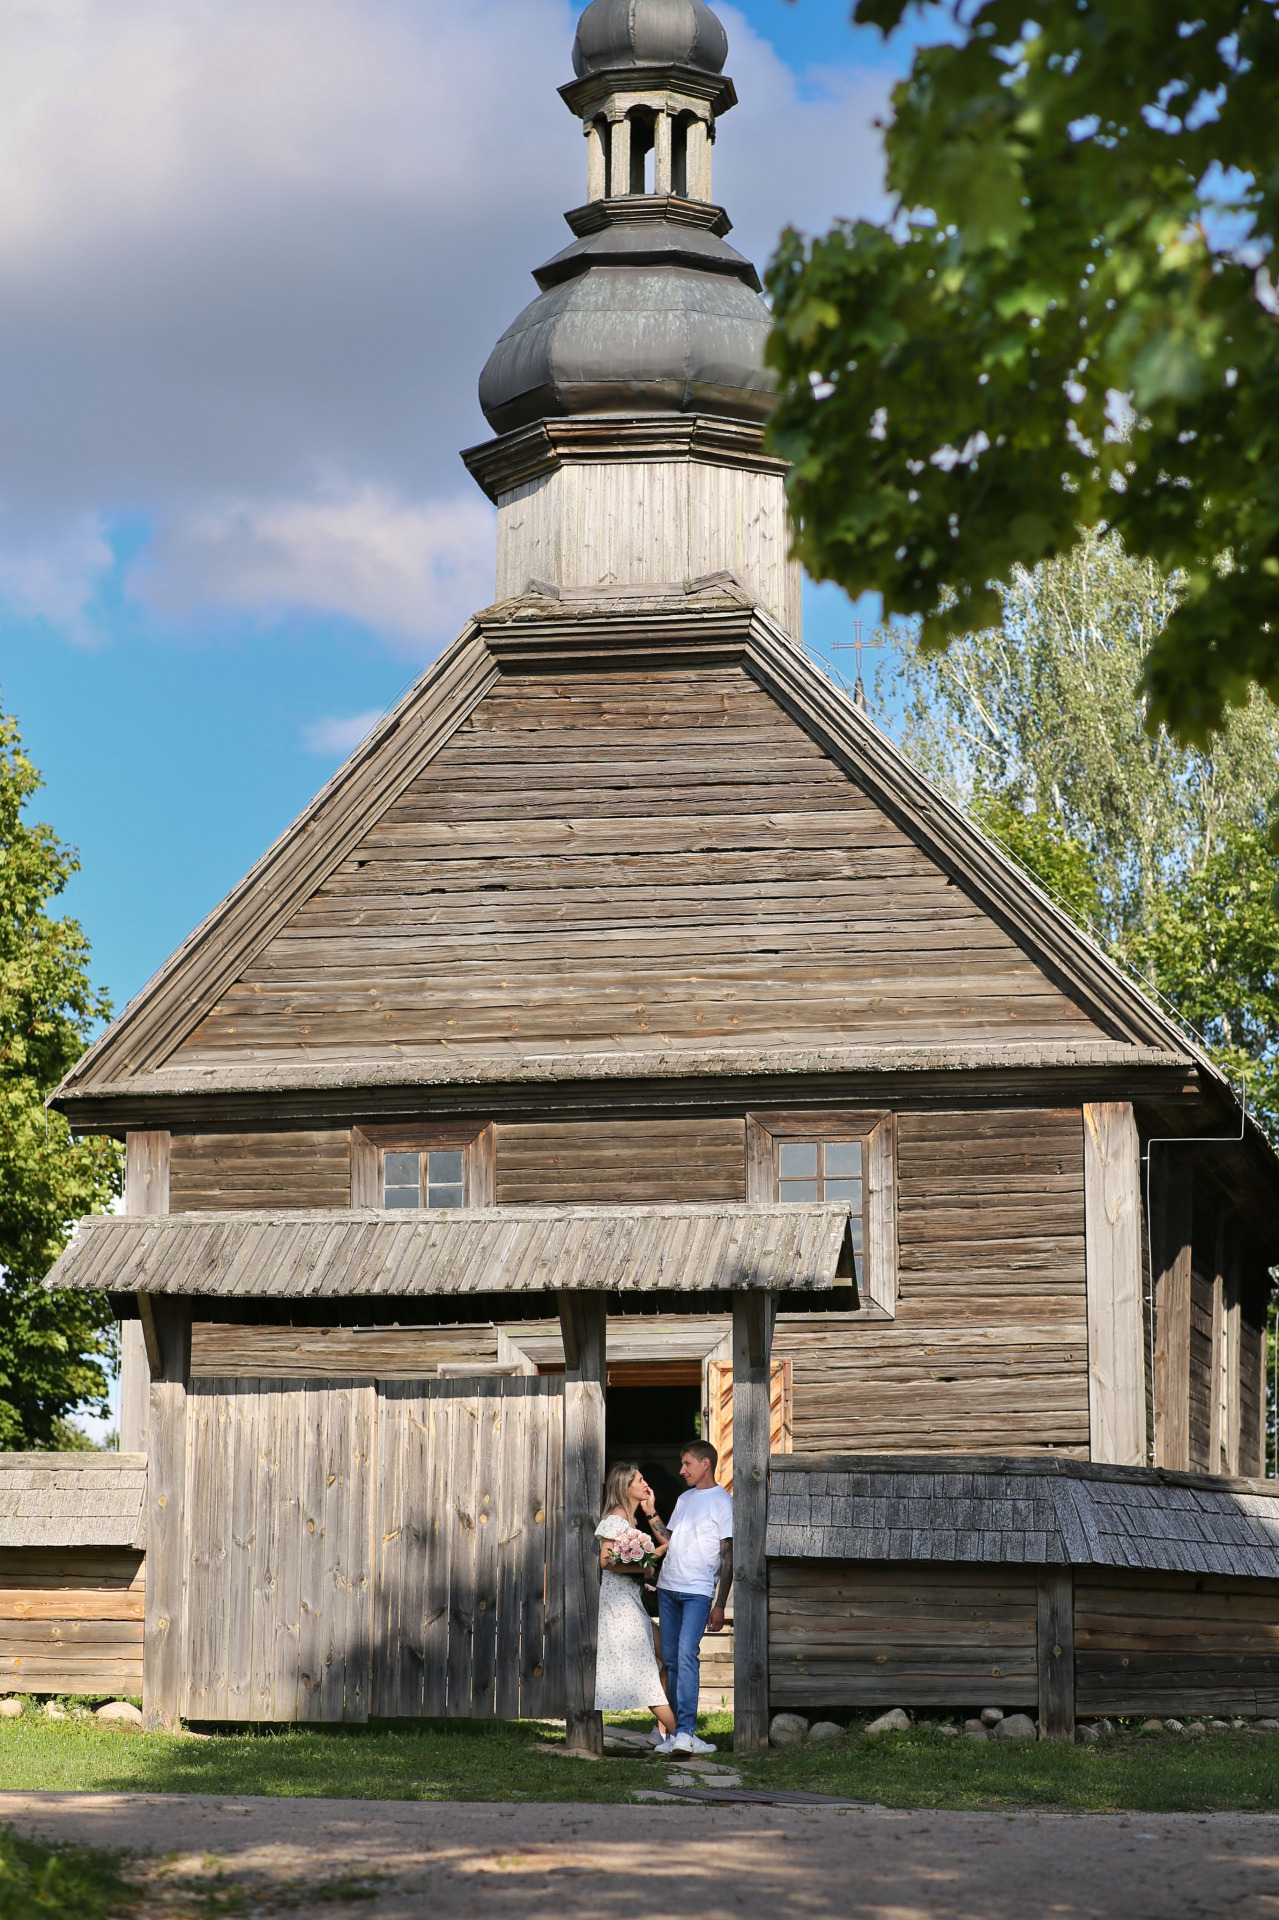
724,1584
658,1531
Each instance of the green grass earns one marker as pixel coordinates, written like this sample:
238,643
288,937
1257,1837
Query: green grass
467,1760
38,1882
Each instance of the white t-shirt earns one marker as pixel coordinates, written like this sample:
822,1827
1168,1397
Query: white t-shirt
702,1518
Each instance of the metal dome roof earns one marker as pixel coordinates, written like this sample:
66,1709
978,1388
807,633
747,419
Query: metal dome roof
649,33
643,316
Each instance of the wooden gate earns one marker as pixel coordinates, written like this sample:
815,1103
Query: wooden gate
393,1548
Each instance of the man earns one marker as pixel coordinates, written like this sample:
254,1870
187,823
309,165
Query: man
693,1586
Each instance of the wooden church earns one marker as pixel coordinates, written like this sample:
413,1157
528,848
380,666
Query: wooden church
628,1042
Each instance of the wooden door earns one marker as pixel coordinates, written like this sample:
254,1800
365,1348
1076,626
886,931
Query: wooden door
279,1506
719,1407
468,1607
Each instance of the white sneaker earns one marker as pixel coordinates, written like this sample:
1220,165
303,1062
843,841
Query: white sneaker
655,1736
667,1745
679,1743
703,1746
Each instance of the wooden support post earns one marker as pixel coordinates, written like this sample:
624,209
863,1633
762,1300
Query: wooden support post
1112,1241
1172,1187
752,1341
146,1191
1056,1642
1233,1305
164,1660
583,1324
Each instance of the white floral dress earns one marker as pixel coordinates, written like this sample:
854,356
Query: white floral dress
626,1671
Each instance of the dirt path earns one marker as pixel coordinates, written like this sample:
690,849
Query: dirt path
533,1861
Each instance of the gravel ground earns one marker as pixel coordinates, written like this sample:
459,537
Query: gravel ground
387,1859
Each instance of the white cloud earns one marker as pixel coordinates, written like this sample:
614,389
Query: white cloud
246,245
53,573
335,737
414,570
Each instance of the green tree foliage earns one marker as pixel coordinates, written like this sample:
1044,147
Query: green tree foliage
1068,320
55,1351
1161,850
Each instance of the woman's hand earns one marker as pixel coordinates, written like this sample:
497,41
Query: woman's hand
645,1498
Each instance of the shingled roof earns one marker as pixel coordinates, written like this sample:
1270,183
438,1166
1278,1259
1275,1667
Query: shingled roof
73,1500
1015,1512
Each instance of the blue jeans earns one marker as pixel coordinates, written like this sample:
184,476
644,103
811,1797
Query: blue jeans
683,1618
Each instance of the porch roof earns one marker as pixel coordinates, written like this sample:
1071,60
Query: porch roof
518,1250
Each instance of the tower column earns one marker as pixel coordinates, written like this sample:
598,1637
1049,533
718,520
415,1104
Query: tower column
620,158
699,161
663,156
596,162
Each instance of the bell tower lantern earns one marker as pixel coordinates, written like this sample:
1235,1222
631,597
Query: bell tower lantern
629,399
649,89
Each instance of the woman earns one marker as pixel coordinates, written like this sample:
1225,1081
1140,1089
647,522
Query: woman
626,1670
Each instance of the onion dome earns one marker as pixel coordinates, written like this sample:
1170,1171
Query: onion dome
615,34
642,314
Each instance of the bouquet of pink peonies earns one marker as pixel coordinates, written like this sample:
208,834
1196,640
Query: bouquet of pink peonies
633,1552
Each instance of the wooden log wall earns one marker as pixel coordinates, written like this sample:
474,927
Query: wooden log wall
851,1635
222,1172
601,1162
633,859
1175,1644
989,1348
71,1621
231,1352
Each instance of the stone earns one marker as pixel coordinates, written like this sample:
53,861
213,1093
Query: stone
894,1721
1174,1726
951,1732
1016,1726
974,1726
1237,1725
1219,1726
825,1730
1266,1726
1087,1736
10,1709
787,1730
120,1713
54,1710
1196,1729
991,1716
1152,1726
977,1732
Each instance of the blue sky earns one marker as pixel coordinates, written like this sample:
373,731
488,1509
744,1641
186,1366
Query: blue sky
251,262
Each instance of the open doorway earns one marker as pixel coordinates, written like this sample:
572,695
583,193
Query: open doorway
653,1409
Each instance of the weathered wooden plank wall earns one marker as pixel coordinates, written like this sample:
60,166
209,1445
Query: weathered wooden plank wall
880,1636
71,1620
280,1502
634,859
989,1349
233,1352
598,1161
469,1577
1175,1644
219,1172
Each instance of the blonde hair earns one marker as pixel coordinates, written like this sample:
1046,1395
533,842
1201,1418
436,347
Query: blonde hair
618,1486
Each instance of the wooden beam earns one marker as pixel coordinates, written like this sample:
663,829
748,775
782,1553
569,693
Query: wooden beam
1056,1650
152,1349
1172,1194
164,1660
583,1324
146,1191
1112,1248
752,1341
1218,1412
1233,1306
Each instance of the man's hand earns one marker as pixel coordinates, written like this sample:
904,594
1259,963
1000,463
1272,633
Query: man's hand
715,1620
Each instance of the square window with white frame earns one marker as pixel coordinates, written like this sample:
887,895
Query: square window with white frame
826,1170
